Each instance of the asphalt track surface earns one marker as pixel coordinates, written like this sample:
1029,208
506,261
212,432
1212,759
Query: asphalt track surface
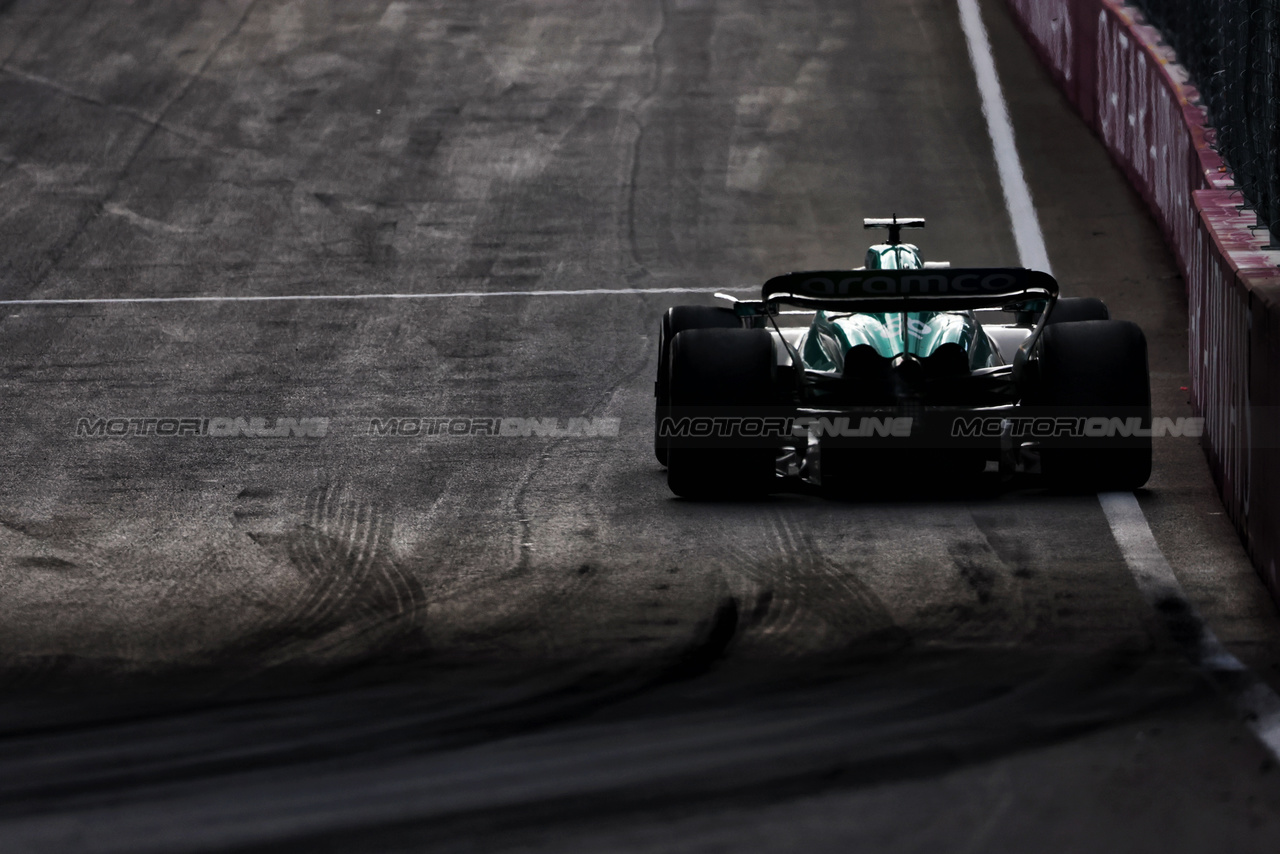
358,642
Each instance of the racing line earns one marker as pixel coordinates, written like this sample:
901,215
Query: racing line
1254,700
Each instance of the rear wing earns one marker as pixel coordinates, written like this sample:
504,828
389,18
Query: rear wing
955,288
894,224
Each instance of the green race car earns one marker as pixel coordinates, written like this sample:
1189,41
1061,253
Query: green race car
900,370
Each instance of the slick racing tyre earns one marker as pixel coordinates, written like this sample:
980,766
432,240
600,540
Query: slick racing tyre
1073,309
722,372
1096,370
676,320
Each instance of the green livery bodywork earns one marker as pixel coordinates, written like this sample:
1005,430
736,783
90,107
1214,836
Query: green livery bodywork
832,334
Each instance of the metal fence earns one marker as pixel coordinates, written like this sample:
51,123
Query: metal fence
1232,49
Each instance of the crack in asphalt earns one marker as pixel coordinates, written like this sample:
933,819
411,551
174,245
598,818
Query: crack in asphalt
519,501
154,121
645,102
96,210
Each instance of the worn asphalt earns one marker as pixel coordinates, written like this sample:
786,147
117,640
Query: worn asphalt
355,641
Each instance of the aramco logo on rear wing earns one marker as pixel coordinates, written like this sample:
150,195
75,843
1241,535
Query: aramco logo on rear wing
922,284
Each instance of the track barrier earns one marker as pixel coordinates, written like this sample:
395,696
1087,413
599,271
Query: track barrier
1126,83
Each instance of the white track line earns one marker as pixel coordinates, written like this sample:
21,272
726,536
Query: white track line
1254,700
1017,195
332,297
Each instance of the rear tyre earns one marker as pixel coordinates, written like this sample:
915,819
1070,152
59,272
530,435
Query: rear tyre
716,371
1096,369
676,320
1074,309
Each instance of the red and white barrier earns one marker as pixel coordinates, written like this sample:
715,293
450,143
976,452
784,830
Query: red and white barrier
1129,89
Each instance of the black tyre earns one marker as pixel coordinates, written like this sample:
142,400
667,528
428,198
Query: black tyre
716,371
1073,309
676,320
1096,369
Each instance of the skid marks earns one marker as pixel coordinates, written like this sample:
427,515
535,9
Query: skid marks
946,581
354,594
986,602
1068,590
801,601
819,590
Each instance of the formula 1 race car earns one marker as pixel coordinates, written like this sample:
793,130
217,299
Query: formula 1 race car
901,370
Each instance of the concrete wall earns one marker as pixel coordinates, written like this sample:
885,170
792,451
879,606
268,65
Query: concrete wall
1139,101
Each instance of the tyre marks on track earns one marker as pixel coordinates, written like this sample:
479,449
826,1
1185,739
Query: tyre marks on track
988,602
800,599
861,579
354,596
